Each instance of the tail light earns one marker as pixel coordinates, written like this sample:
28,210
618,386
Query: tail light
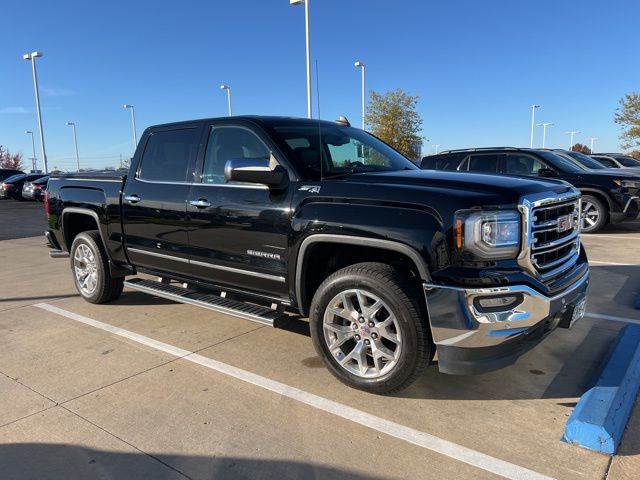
7,186
40,186
47,205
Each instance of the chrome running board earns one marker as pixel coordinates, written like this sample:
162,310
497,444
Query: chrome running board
247,311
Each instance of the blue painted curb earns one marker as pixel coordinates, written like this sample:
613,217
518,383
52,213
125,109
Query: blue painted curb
599,419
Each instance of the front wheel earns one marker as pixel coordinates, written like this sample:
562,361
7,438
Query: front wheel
594,214
90,267
368,325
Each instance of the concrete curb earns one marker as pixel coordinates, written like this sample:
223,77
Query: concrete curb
599,419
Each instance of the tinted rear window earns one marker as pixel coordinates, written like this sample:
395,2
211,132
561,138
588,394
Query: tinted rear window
443,162
486,162
168,154
607,162
628,161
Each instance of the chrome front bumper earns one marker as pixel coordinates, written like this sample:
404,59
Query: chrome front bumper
459,323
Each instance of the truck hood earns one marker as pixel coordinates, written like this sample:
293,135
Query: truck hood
508,187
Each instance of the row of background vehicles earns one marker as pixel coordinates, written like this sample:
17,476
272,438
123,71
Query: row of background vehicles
22,186
609,183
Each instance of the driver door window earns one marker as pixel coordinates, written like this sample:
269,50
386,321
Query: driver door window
516,164
227,143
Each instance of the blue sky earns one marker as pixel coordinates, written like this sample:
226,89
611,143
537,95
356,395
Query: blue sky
477,66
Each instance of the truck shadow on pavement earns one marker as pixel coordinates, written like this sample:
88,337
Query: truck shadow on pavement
62,461
36,299
560,367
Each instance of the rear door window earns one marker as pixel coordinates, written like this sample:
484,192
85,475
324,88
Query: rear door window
484,163
607,162
447,162
518,164
169,154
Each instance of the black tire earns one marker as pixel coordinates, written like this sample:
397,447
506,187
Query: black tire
593,210
106,288
403,299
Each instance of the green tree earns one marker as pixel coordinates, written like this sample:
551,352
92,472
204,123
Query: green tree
10,160
628,116
393,117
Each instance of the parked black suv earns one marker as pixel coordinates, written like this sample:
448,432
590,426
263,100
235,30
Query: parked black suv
617,160
607,196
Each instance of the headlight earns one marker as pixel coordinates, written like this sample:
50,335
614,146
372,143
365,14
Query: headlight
629,183
488,235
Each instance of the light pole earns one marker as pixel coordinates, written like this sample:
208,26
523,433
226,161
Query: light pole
436,148
33,145
133,123
308,46
592,140
571,134
533,121
75,142
32,56
228,89
361,65
544,132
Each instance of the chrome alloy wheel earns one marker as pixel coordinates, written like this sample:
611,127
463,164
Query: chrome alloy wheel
362,333
590,215
86,269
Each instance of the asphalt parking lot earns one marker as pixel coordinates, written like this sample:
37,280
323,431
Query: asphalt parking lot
148,388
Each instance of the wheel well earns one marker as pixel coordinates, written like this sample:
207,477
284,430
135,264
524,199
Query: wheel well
324,258
600,196
75,223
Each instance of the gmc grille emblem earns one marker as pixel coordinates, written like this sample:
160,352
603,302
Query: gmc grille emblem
565,222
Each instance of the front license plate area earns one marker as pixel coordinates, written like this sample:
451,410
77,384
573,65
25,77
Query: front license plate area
578,311
573,313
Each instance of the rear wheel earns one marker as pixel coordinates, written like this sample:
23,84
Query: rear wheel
368,326
90,267
594,214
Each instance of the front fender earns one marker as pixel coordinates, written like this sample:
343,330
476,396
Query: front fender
413,232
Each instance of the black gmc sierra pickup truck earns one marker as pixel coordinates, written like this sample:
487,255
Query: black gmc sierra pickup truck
269,217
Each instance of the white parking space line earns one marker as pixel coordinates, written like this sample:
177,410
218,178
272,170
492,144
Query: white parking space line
613,318
605,236
387,427
615,264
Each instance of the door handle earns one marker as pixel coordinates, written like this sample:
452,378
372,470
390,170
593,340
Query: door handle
132,198
200,203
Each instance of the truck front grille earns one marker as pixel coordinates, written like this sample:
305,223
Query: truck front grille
554,237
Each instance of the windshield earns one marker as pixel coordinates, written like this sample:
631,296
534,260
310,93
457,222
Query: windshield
559,163
586,161
628,161
344,150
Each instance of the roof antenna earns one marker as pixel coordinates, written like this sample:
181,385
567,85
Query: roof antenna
321,150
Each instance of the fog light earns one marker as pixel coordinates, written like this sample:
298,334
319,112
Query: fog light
498,303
